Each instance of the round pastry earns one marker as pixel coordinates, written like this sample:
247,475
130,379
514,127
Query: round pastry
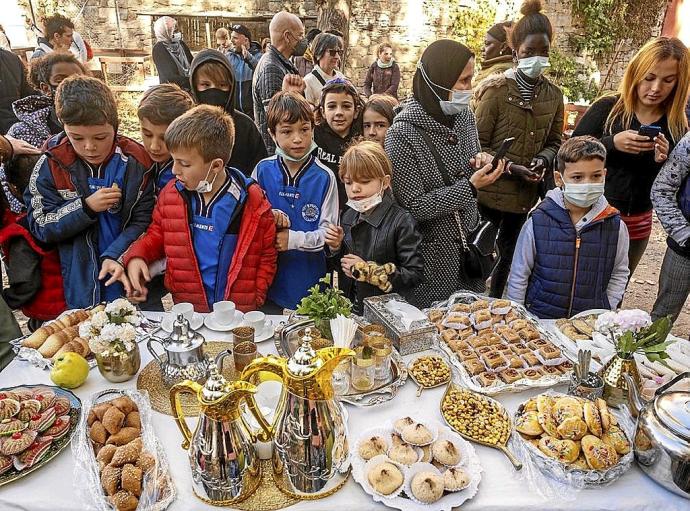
455,479
9,407
28,409
417,434
372,447
530,405
10,426
401,424
580,463
42,421
599,455
385,478
528,423
616,439
565,451
566,407
547,422
572,428
44,396
62,406
59,427
5,463
17,442
593,418
545,403
427,455
446,452
607,418
427,487
23,394
404,454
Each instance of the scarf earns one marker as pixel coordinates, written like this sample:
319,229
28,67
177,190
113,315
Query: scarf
163,28
443,61
383,65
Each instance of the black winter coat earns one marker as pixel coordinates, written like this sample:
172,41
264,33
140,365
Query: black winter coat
13,86
168,72
387,235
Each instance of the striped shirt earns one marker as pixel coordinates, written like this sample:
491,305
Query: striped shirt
525,85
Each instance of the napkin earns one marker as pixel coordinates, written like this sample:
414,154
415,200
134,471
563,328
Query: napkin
407,313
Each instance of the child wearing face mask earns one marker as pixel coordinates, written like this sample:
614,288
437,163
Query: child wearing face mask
572,253
377,244
337,124
303,194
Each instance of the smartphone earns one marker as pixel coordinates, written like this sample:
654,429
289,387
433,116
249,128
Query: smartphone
649,130
505,145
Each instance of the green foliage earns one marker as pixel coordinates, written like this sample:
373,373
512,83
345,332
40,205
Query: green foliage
649,341
324,304
470,24
572,77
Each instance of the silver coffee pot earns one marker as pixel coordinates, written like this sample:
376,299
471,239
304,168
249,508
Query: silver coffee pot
662,435
183,357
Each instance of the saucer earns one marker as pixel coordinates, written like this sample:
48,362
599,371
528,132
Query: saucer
195,324
266,333
212,324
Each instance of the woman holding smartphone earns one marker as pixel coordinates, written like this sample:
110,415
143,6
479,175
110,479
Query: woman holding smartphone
524,104
639,126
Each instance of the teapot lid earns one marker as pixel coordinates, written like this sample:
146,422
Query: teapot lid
673,409
214,388
183,338
304,361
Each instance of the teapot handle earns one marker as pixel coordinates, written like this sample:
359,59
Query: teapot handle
152,351
184,387
671,383
273,365
267,429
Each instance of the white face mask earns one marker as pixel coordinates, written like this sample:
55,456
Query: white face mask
364,205
583,195
204,186
287,157
533,66
460,99
176,37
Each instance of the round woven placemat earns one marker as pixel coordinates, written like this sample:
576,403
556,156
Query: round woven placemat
267,496
151,380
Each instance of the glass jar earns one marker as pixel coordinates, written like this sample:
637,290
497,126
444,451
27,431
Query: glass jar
363,371
341,378
382,349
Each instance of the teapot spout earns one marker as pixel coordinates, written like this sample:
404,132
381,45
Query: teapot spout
634,397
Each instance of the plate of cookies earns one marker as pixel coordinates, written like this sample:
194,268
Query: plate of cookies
416,464
119,463
36,423
497,346
574,440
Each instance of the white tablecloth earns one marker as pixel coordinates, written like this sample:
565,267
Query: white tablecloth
50,488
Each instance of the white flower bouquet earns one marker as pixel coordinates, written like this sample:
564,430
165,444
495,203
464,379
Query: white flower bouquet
113,329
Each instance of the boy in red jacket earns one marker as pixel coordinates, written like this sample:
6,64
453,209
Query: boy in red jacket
213,224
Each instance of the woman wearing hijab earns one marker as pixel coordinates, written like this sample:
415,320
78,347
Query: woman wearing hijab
433,135
170,53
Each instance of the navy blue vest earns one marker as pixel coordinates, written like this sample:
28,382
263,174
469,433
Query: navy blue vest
557,262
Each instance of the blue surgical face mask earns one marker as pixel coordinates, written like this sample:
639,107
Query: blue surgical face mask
460,99
287,157
533,66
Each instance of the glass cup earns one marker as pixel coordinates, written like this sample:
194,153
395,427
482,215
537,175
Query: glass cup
363,371
242,334
243,353
381,347
341,378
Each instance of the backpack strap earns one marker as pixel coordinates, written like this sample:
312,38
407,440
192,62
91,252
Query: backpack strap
318,77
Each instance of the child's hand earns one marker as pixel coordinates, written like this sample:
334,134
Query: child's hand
282,240
348,261
116,272
281,219
334,237
661,148
103,199
138,272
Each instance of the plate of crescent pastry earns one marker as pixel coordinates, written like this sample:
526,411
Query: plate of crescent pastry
574,440
416,464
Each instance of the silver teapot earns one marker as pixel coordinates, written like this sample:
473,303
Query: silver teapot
184,357
662,435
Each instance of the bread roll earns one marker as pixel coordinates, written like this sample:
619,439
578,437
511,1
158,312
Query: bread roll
36,339
57,341
71,346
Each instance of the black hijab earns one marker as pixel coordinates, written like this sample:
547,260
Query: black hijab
443,62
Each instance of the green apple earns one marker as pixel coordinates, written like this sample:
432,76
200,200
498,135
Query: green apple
70,370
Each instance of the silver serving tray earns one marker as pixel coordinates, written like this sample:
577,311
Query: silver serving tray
499,387
286,342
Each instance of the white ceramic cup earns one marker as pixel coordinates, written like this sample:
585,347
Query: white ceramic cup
184,308
224,313
255,319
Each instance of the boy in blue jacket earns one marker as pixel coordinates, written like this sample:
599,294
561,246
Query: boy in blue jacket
572,253
304,196
90,193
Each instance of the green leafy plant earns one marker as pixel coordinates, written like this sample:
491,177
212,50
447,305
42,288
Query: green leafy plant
573,77
649,341
324,303
470,24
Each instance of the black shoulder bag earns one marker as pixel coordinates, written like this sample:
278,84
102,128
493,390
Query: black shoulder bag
478,245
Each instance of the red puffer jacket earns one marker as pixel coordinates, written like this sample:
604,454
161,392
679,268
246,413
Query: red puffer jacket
253,264
49,302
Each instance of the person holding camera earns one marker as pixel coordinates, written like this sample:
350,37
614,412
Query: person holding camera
639,126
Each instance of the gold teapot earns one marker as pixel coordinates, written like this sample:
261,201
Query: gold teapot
310,446
225,466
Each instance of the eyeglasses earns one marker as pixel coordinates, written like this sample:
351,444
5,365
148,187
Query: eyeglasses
333,52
